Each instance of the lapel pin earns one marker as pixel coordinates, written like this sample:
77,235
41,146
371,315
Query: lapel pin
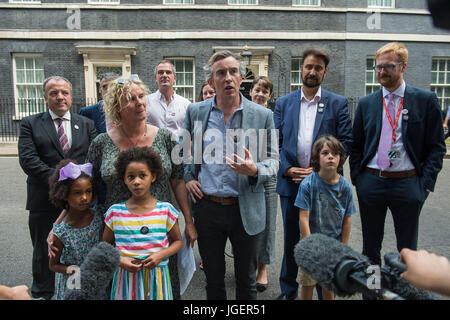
76,127
405,114
320,108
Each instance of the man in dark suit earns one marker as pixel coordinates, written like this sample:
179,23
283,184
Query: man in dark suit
45,139
95,111
397,153
301,117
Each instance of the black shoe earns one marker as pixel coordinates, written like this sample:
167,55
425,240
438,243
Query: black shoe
261,287
285,297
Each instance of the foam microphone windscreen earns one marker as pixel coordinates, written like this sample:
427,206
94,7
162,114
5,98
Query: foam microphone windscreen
96,273
318,255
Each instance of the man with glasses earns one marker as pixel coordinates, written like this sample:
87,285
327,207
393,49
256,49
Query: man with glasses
397,152
301,117
165,108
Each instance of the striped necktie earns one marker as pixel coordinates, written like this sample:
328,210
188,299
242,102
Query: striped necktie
385,144
62,137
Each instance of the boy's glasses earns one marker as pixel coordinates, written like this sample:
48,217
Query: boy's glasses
386,67
121,81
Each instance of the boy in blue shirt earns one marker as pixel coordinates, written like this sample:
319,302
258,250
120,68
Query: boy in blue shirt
325,199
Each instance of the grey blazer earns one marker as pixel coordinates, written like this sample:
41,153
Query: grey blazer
264,153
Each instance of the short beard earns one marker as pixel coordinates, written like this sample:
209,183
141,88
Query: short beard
315,85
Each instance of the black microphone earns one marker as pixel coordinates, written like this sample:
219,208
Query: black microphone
340,269
95,273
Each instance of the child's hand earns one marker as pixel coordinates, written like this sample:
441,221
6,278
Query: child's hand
153,260
130,265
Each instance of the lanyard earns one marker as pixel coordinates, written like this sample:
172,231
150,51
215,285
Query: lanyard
393,125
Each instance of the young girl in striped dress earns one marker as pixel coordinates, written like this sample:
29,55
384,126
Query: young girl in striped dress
145,231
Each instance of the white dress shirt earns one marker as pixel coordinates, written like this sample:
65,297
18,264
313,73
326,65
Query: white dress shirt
66,124
404,162
169,116
307,118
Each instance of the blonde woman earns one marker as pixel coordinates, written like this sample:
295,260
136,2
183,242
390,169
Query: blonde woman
125,108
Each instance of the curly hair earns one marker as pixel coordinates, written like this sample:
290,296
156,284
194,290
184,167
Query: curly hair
139,154
334,144
117,92
59,190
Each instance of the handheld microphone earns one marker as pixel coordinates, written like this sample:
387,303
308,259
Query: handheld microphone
96,273
340,269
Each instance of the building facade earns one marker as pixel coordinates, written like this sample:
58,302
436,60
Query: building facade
80,39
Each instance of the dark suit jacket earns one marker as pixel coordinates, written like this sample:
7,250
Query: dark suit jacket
96,114
334,120
40,152
422,133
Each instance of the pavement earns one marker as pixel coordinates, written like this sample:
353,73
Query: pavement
16,249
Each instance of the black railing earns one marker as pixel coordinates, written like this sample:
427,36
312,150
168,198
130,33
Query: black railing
11,113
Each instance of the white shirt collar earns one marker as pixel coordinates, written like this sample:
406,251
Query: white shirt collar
316,98
55,116
399,92
162,98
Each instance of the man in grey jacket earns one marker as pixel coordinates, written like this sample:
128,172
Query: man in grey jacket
238,153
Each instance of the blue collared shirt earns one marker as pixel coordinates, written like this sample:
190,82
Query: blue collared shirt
215,176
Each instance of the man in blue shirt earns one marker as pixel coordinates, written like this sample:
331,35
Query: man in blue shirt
226,183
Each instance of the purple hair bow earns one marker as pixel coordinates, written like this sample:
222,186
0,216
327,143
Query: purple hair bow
73,171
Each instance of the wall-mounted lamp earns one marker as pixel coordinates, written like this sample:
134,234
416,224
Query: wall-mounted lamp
247,55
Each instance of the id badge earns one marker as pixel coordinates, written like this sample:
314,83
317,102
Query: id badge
394,154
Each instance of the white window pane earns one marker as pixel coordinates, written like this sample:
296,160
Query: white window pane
20,76
29,63
188,79
39,63
29,76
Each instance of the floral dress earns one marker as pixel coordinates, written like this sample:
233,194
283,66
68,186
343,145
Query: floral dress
77,244
103,153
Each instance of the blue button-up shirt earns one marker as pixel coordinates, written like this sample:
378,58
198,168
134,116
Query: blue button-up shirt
215,176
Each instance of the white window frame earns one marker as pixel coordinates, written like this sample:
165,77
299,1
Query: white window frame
243,4
382,5
172,3
306,5
445,85
25,1
103,2
375,85
178,72
19,114
297,85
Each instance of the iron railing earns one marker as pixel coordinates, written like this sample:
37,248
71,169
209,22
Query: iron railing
10,116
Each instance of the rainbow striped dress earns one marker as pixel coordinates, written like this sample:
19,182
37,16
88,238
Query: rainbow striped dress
137,236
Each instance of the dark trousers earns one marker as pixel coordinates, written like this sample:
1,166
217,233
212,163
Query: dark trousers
289,268
404,197
40,223
215,223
